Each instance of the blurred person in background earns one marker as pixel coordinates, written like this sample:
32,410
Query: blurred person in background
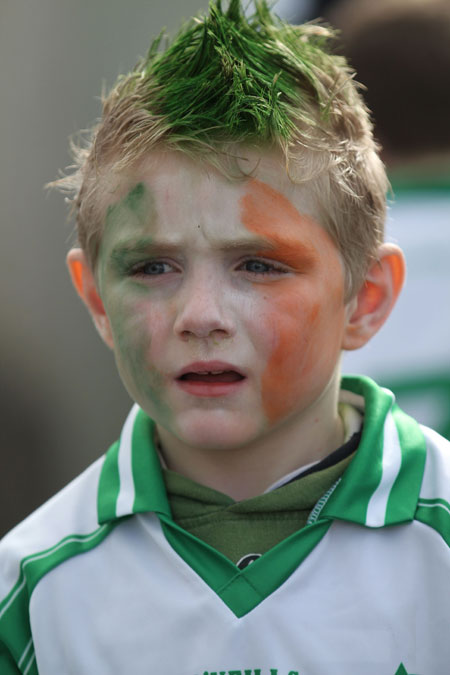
401,52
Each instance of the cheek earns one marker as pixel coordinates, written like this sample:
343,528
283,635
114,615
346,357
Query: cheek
139,339
137,328
303,353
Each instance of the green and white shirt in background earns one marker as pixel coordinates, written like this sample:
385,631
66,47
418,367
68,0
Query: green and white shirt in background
411,353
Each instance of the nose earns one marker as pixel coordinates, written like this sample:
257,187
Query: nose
203,311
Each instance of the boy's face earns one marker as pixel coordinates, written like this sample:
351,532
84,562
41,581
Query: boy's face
224,300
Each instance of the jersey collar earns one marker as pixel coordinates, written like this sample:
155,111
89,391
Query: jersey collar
380,487
131,479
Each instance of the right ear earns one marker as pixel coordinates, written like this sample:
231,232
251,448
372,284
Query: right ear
377,296
84,282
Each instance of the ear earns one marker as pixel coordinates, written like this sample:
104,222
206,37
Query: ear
370,308
84,281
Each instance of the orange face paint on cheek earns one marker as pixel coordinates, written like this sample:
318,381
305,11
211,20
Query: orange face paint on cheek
295,306
293,355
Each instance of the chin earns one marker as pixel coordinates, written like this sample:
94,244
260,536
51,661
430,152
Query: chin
217,431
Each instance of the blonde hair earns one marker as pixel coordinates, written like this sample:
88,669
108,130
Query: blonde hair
225,81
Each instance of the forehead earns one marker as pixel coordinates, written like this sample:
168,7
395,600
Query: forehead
171,196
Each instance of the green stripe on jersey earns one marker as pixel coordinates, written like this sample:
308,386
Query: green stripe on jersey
109,485
146,468
7,665
364,474
436,514
131,477
15,627
405,491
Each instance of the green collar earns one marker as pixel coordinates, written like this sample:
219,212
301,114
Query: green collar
380,487
131,479
382,484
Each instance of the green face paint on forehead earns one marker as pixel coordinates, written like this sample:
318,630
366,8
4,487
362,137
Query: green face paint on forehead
126,220
136,204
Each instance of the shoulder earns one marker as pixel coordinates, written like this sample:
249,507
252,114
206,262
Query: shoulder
62,528
433,506
437,466
68,517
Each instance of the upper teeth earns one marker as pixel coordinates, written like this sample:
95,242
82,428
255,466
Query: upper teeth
210,372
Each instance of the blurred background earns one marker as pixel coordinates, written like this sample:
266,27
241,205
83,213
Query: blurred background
61,400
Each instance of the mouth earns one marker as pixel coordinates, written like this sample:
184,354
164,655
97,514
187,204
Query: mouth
210,379
212,376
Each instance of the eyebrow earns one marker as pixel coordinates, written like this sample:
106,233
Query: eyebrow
147,245
290,250
284,246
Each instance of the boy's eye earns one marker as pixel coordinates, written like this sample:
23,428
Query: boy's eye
262,267
153,268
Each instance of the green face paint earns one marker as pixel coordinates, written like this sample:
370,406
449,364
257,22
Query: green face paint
125,244
135,202
125,220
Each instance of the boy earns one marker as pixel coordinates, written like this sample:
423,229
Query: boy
253,518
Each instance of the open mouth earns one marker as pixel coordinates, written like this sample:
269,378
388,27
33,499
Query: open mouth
210,379
212,376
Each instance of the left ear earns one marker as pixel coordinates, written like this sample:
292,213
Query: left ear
372,305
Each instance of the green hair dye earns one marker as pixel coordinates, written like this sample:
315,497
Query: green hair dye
232,77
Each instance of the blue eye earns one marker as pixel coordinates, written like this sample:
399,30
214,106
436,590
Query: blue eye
261,267
257,266
153,268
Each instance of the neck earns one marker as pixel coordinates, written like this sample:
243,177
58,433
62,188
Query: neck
247,471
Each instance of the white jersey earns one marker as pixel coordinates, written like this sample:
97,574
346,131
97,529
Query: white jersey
101,581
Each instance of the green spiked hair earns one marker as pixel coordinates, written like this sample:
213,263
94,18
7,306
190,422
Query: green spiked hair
229,77
225,80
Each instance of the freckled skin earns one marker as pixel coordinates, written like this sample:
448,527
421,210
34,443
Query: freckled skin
293,315
283,330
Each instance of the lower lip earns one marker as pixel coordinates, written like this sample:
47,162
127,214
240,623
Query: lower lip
210,389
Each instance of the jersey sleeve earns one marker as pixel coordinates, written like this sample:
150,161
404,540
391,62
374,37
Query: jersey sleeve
7,665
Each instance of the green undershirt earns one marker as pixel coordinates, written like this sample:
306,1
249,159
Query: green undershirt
255,525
